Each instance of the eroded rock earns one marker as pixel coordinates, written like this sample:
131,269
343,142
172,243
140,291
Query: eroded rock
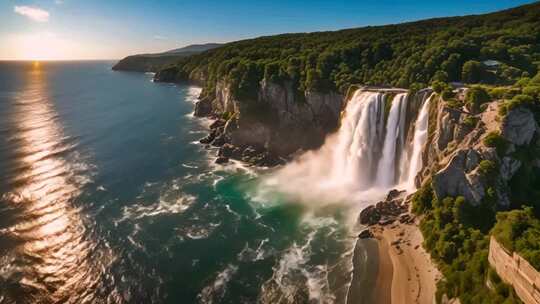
519,126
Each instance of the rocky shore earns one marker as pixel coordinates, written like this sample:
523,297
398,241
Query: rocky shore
219,136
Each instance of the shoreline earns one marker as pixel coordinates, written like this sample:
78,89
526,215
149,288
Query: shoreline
405,273
390,267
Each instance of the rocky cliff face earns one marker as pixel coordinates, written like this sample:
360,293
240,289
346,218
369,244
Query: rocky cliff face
457,156
284,124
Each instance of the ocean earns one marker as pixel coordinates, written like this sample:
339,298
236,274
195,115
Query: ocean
107,197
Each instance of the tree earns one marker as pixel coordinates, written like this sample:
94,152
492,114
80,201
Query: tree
475,97
472,72
452,67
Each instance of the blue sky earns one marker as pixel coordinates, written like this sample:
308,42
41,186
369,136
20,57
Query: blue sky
111,29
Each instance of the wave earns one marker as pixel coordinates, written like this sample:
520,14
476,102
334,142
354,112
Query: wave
215,291
297,277
193,93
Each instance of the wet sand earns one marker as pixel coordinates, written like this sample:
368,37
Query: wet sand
406,273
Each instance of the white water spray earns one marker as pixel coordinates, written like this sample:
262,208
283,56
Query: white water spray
393,142
361,161
356,147
418,142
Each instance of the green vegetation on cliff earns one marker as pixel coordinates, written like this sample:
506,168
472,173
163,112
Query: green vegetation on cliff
497,48
456,234
519,230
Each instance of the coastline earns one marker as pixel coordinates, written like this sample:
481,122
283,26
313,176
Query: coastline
404,268
391,267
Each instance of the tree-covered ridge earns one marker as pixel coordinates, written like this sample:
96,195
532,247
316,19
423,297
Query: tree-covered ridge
494,48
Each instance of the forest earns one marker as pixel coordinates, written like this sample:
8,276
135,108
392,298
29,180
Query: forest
498,49
496,55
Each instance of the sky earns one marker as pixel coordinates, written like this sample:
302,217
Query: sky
112,29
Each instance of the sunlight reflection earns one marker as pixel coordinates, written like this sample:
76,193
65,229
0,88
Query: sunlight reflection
54,257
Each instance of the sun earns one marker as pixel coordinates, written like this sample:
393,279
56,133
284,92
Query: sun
39,46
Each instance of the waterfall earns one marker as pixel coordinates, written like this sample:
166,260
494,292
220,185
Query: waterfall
418,142
369,154
393,141
359,139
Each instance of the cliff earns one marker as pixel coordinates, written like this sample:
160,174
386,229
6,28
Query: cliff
276,123
516,271
459,151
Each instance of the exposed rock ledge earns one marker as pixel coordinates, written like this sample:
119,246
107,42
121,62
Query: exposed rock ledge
455,149
289,124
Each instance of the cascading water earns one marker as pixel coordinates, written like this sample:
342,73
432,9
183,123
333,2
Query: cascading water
370,154
418,142
366,157
393,141
359,139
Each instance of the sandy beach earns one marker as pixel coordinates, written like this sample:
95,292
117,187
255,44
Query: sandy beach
406,273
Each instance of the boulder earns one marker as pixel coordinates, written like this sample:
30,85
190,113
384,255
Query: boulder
365,234
472,160
519,126
226,150
217,123
394,193
369,216
203,107
219,141
452,180
249,152
222,160
509,167
208,138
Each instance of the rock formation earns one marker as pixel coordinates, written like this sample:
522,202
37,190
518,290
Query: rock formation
455,150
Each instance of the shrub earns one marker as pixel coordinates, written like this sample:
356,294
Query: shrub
447,94
475,97
454,103
460,249
536,79
440,76
438,86
470,121
533,91
422,199
488,168
495,140
523,82
503,92
519,230
472,71
517,101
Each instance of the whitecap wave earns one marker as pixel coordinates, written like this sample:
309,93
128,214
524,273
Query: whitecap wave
214,292
263,251
179,205
295,272
192,94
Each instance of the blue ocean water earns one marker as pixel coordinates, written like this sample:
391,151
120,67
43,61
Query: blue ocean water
106,197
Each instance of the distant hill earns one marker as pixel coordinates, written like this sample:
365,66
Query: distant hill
154,62
195,48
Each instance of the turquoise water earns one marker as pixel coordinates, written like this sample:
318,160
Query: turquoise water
107,198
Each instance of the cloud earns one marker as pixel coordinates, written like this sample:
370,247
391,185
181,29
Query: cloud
32,13
158,37
59,2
